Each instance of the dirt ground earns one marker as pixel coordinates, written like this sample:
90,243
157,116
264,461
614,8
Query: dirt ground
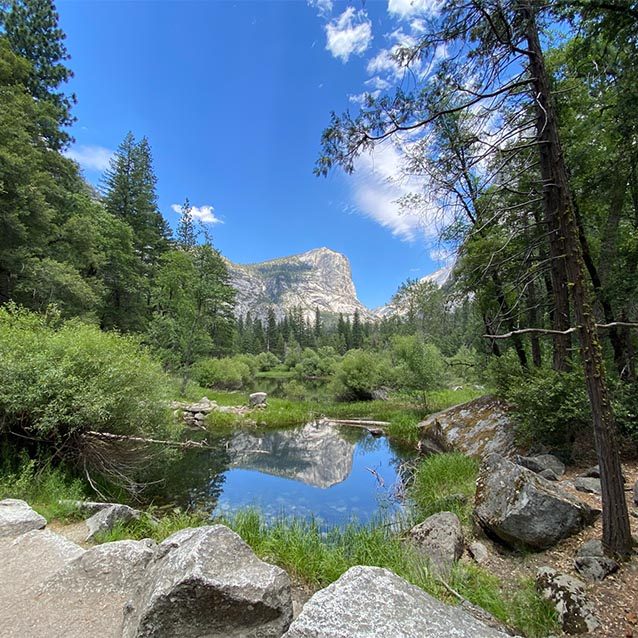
615,599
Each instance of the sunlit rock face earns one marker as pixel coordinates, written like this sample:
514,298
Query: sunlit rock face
320,278
315,454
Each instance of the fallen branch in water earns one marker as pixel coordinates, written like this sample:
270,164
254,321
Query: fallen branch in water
107,436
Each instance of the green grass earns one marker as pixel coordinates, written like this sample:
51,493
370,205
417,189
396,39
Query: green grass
445,482
50,491
276,374
442,399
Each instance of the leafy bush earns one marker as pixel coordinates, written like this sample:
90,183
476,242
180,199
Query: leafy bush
59,379
315,364
360,373
266,361
230,373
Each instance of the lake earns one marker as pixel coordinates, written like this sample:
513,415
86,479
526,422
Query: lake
332,474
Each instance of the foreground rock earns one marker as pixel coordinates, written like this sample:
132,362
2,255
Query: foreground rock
440,538
104,520
575,612
16,517
542,463
370,602
523,509
592,563
207,582
476,428
194,414
110,568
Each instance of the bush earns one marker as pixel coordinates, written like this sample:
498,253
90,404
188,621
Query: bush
358,374
315,364
266,361
230,373
58,380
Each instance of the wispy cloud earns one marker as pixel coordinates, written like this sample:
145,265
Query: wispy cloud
380,191
348,34
411,8
90,158
205,214
324,7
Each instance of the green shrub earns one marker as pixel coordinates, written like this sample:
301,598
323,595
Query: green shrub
315,364
231,373
58,380
266,361
295,391
360,373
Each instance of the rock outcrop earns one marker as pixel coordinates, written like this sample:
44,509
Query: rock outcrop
369,601
522,509
207,582
320,278
16,517
475,428
575,612
440,538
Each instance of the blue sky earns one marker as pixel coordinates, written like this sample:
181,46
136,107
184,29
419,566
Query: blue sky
233,97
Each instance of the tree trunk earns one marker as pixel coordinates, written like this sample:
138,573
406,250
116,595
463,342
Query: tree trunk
617,538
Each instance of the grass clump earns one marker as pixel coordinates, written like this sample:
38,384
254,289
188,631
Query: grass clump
532,614
445,482
52,492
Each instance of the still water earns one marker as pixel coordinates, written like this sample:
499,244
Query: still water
333,474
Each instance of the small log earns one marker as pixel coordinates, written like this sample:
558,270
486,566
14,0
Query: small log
107,436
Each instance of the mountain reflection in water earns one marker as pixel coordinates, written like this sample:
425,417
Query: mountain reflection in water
331,474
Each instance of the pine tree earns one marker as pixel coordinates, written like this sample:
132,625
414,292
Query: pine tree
186,233
31,28
357,331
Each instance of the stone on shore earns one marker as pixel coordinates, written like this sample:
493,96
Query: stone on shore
371,602
440,538
522,509
104,520
575,612
257,398
208,582
16,517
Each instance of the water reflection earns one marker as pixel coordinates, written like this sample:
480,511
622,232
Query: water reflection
331,474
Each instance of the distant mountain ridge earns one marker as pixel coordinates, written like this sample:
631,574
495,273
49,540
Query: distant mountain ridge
319,278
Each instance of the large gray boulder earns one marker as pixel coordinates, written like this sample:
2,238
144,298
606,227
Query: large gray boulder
105,519
523,509
440,538
207,582
575,612
476,428
117,568
541,463
370,602
587,485
16,517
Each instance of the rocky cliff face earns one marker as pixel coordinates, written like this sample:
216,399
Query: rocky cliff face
320,278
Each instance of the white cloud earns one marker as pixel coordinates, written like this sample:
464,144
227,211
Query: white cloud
350,33
379,188
205,214
90,158
324,7
410,8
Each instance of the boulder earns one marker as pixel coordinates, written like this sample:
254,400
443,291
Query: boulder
367,602
592,563
106,519
86,508
575,612
440,538
522,509
478,552
257,398
542,462
587,485
207,582
548,474
16,517
592,472
115,568
476,428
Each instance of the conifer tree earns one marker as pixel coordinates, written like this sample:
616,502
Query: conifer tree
186,233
